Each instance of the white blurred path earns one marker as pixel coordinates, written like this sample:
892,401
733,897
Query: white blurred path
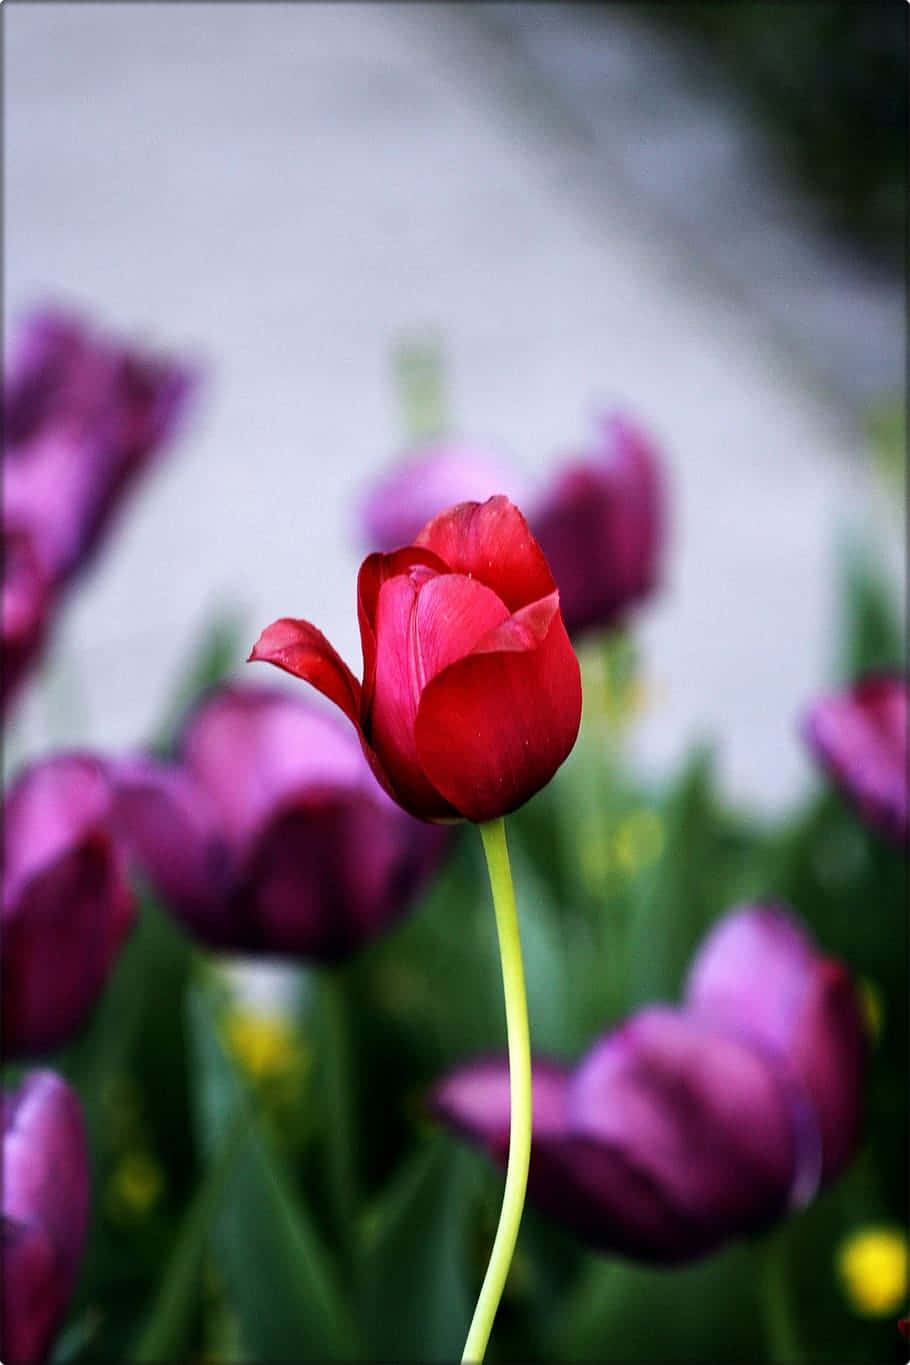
287,190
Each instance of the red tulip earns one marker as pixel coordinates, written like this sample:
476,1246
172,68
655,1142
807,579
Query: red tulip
45,1212
471,692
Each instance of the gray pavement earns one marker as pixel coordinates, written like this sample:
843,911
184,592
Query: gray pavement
286,191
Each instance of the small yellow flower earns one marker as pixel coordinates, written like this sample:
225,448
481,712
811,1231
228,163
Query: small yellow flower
872,1007
639,840
136,1184
873,1268
263,1044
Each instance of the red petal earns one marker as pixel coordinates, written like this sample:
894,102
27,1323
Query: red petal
374,571
493,728
301,649
492,542
397,692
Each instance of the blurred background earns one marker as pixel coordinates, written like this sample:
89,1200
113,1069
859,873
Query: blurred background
533,213
687,212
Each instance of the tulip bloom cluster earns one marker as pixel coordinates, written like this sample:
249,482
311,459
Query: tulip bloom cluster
599,520
471,692
67,905
269,833
686,1127
83,415
860,737
45,1212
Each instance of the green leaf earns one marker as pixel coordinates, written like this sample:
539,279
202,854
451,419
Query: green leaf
416,1304
870,635
674,906
278,1274
622,1311
165,1335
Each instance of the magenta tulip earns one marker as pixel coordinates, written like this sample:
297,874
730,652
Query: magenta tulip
269,834
684,1128
860,738
758,972
66,901
600,523
45,1212
84,414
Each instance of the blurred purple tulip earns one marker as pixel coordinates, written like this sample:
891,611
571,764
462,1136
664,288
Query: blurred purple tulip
27,607
271,835
758,972
860,738
686,1127
45,1212
83,416
401,502
600,523
66,902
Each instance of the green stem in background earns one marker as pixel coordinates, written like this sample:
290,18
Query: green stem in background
783,1345
420,379
337,1077
496,849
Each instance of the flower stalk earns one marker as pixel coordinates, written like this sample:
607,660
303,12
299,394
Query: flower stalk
495,846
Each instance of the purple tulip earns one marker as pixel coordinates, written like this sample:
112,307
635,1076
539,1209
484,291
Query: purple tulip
27,607
860,738
45,1212
402,501
686,1127
759,973
66,902
271,835
83,416
600,523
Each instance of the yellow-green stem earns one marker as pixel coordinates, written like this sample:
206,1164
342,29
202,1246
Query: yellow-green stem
496,849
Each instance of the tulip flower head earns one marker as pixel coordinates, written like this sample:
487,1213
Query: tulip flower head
269,834
687,1126
471,691
83,417
600,522
45,1212
860,737
67,905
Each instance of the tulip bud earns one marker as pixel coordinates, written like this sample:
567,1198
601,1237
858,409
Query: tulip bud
600,524
859,736
471,694
66,901
759,973
269,834
45,1212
